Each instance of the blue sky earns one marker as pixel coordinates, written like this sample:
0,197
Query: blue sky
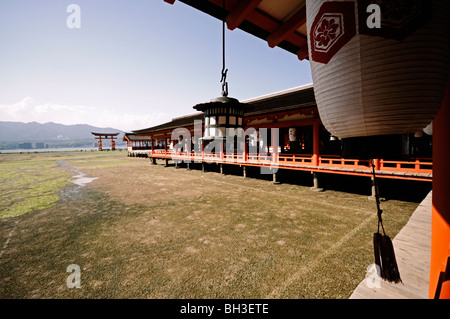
131,65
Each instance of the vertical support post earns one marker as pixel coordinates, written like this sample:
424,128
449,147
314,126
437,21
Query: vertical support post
245,151
151,141
189,149
377,163
221,150
373,192
316,184
203,151
113,144
275,143
244,171
316,144
440,211
100,144
445,286
165,145
275,176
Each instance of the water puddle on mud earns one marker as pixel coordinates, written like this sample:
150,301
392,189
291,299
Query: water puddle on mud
80,179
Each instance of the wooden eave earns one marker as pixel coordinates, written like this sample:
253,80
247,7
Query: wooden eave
133,137
184,121
284,101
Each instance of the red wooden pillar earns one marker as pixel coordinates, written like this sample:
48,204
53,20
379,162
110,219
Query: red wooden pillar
113,144
316,144
203,150
100,143
151,141
188,147
440,212
245,151
377,163
275,143
221,150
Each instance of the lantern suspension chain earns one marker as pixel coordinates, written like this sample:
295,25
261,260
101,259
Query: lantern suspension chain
224,71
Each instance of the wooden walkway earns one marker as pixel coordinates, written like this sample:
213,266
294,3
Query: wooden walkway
417,170
412,250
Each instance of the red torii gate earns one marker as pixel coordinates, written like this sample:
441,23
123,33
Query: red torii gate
100,136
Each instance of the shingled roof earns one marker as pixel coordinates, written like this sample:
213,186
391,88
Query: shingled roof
181,121
134,137
295,98
298,97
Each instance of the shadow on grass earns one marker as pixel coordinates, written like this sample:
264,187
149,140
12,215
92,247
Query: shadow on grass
390,189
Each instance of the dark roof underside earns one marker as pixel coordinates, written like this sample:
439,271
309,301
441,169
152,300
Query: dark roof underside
283,101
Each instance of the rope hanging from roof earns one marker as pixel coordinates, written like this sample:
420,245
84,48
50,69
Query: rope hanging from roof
224,70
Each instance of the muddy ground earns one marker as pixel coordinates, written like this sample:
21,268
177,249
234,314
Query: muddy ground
148,231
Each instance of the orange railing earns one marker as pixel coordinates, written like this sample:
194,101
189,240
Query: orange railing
336,161
419,165
295,159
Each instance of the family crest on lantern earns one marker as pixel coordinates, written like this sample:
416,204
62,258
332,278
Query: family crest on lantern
379,67
335,23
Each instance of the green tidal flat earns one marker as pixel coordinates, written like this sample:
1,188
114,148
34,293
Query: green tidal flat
138,230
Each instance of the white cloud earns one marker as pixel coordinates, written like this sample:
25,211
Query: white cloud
27,110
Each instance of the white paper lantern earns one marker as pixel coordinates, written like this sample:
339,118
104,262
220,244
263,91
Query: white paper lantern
378,81
292,134
429,129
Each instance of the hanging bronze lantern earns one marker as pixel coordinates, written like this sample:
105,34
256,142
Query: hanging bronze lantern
223,115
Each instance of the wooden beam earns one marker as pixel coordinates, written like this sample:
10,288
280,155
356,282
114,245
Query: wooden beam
303,53
269,24
261,20
289,26
240,11
170,1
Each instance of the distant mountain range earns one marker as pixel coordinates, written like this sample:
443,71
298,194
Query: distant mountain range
52,134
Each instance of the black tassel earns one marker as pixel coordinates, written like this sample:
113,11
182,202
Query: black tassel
390,270
383,247
377,237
